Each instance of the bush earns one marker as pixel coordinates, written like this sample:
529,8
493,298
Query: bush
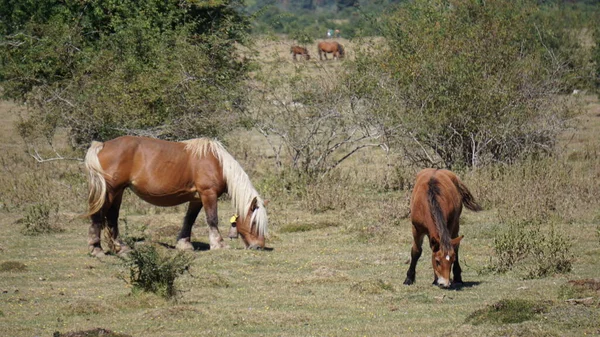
167,69
156,272
540,251
467,83
39,219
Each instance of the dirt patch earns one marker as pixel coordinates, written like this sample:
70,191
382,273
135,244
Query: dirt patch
589,284
90,333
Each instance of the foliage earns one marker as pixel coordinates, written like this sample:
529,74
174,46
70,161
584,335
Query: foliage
466,83
313,19
40,218
102,69
156,272
546,250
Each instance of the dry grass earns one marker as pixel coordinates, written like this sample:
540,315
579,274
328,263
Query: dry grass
338,260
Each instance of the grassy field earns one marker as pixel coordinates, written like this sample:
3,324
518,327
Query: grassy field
337,271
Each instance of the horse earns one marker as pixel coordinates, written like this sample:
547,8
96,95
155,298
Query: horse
164,173
297,50
333,47
436,204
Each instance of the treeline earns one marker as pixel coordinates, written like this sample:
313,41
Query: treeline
311,19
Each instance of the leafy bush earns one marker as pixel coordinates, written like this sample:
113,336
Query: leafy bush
540,251
466,83
168,69
156,272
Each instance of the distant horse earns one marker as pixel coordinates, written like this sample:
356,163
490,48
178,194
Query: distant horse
333,47
166,173
297,50
436,204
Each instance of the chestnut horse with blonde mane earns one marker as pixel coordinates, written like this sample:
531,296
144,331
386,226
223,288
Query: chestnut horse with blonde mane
435,207
331,47
297,50
164,173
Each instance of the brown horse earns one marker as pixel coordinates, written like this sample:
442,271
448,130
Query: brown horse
297,50
166,173
436,204
333,47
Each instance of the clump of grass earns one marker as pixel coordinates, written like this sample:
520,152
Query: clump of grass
540,252
40,219
12,266
295,228
372,287
508,311
156,272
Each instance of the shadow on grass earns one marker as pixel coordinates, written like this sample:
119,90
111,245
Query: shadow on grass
461,286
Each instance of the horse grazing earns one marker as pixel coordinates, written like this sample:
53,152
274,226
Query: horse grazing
435,207
297,50
166,173
333,47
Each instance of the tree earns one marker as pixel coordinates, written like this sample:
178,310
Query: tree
168,69
466,82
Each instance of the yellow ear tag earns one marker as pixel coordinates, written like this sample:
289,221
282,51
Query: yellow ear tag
233,219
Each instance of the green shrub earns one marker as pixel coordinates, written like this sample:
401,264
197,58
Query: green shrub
539,251
156,272
39,219
167,69
466,83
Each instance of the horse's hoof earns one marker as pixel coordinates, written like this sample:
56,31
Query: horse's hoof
184,244
97,252
408,282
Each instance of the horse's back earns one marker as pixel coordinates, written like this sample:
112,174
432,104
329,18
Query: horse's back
446,193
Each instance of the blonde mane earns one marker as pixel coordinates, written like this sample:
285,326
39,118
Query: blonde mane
239,187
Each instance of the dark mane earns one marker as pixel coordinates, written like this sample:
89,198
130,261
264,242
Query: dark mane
437,214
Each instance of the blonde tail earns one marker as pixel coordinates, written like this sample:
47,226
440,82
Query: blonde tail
97,183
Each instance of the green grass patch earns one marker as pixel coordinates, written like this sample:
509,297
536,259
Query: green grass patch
12,266
508,311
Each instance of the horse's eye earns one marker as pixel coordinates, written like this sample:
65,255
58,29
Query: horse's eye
437,262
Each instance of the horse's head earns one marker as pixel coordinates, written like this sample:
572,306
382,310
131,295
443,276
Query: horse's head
442,260
341,50
252,227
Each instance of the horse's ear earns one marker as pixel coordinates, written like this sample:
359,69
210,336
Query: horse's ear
254,204
456,241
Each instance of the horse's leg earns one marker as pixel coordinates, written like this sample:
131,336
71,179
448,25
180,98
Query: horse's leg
320,56
112,221
456,269
94,246
415,254
210,208
184,238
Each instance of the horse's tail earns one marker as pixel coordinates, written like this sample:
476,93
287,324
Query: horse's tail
341,49
467,198
97,183
437,215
